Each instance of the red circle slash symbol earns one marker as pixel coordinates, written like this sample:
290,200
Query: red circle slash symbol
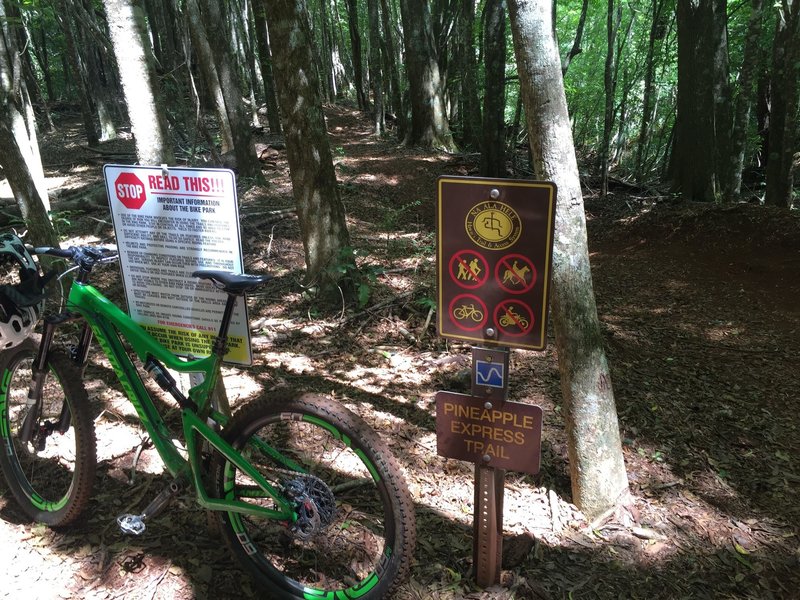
130,190
515,273
514,318
468,312
469,269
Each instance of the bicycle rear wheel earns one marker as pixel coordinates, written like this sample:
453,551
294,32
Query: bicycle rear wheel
51,475
355,533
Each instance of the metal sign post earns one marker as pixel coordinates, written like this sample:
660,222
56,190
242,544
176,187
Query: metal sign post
494,251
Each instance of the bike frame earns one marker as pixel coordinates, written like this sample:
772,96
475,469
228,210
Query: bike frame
109,325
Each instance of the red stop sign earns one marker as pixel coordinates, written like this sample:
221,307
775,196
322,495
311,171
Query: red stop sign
130,190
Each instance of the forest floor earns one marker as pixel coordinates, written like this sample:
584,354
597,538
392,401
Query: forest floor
701,320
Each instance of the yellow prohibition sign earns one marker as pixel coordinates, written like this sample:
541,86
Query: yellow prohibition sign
493,225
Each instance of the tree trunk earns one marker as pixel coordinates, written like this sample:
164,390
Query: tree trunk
783,108
656,33
139,82
613,19
265,58
208,70
319,206
471,126
429,127
703,119
20,159
247,162
355,44
576,43
391,55
375,74
597,467
493,156
744,101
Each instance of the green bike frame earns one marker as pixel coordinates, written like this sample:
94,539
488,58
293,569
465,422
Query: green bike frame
108,325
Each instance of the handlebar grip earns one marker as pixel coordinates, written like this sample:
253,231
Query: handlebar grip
59,252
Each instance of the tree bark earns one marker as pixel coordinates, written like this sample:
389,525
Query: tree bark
613,19
744,101
355,44
391,56
246,160
316,194
470,117
429,127
375,71
134,59
208,70
702,135
265,58
783,108
493,156
597,467
20,159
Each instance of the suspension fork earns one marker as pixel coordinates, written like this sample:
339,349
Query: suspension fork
39,373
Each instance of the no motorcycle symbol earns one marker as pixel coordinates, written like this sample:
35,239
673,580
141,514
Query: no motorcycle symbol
513,317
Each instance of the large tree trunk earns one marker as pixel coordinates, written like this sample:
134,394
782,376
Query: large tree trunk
493,156
429,127
597,467
19,158
134,59
702,140
783,108
319,206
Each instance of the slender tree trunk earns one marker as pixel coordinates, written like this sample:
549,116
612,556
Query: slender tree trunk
613,18
783,108
316,194
656,33
576,44
493,157
142,94
375,74
355,44
265,57
471,123
391,55
744,101
597,467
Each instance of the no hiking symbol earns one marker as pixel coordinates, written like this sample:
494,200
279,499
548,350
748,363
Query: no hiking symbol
494,255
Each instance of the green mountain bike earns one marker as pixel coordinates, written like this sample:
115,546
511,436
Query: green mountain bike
309,499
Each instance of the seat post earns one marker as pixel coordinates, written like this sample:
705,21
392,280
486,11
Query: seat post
220,347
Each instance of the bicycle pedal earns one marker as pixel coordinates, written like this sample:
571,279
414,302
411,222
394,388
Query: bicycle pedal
131,524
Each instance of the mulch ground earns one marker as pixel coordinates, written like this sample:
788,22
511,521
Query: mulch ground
698,305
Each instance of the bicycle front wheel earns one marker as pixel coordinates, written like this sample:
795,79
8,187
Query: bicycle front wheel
354,535
51,474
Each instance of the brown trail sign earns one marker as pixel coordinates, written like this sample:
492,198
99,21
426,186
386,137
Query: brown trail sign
494,252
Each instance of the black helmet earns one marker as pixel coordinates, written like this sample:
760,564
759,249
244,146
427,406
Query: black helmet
21,303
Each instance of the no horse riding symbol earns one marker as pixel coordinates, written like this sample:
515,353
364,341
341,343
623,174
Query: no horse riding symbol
494,254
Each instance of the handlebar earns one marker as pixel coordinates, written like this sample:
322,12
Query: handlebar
84,257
